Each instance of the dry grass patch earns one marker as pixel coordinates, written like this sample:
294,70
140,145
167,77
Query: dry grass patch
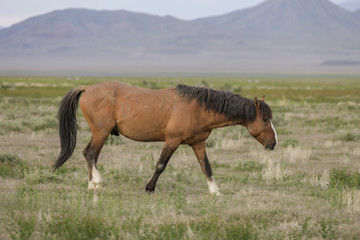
297,154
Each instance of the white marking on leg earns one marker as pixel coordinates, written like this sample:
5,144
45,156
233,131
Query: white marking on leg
213,188
272,126
160,166
96,179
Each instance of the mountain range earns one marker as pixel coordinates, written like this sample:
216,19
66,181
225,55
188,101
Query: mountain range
301,21
351,5
276,35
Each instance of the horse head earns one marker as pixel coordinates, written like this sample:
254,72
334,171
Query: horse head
262,128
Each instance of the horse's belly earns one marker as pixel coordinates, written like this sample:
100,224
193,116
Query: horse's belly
141,132
142,123
151,136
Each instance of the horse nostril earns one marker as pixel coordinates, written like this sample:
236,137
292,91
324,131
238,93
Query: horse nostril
269,146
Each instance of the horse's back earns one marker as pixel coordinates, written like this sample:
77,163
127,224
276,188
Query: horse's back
138,113
114,93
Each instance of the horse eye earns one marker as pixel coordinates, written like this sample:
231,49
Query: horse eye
265,119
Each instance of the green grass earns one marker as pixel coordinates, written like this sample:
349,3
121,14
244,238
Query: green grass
344,178
349,137
11,166
311,89
308,188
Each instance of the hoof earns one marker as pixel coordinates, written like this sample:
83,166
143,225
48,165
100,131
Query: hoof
216,193
149,190
93,186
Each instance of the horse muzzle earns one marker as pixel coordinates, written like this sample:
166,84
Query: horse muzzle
270,146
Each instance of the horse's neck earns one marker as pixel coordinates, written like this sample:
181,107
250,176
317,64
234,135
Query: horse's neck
220,120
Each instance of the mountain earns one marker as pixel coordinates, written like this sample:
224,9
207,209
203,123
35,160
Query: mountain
103,30
275,35
291,21
1,27
352,5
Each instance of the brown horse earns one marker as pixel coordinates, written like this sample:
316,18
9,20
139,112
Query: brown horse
180,115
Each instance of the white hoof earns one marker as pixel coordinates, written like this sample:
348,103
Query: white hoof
213,188
94,186
91,186
216,193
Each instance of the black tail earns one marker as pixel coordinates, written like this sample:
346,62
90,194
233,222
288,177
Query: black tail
67,124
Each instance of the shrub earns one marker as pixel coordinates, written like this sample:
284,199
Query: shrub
238,90
327,230
344,178
205,83
349,137
21,228
11,126
38,176
6,85
226,87
153,85
10,158
78,226
11,166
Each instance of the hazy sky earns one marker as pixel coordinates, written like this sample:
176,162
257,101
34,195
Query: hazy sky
13,11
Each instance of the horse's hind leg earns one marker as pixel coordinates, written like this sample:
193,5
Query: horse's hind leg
91,154
200,152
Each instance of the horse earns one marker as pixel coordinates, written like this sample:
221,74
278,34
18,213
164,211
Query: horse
177,115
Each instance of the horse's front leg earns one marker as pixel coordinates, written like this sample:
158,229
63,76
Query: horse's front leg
200,152
166,153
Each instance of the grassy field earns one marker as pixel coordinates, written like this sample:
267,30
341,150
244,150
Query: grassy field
308,188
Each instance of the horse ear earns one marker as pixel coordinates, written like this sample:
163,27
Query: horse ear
257,103
263,98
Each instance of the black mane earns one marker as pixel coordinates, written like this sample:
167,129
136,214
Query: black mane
233,106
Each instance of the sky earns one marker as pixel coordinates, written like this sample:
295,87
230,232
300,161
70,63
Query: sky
14,11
